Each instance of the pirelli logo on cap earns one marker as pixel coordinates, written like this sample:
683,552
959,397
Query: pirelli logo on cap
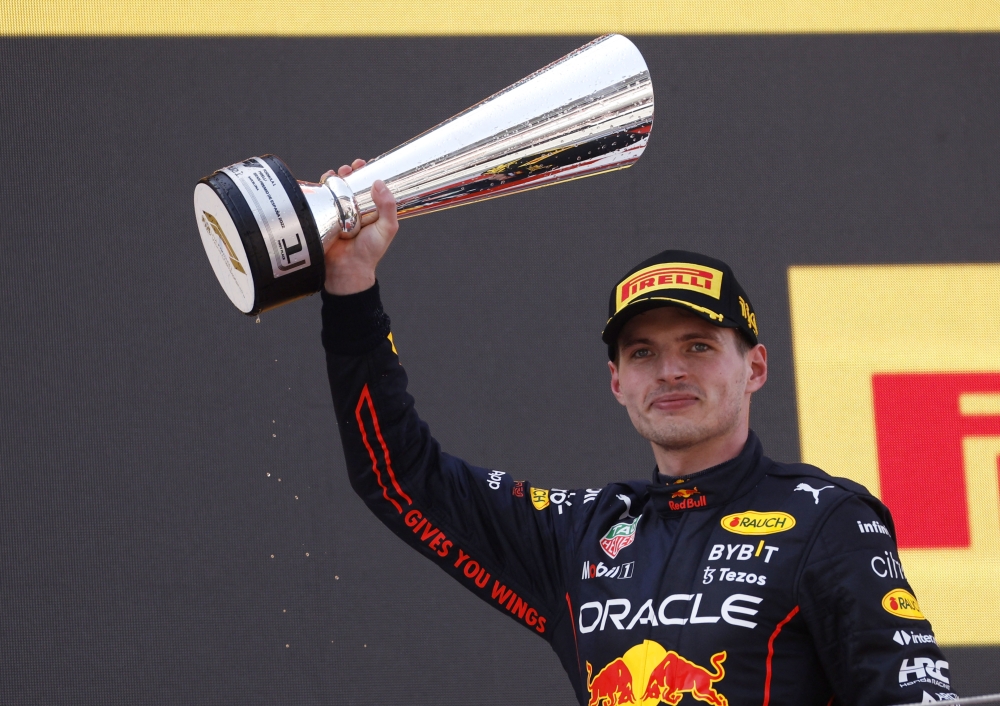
671,275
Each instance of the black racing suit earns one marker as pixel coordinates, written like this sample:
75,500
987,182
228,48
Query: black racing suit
753,582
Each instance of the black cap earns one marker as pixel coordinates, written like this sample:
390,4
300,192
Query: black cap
700,284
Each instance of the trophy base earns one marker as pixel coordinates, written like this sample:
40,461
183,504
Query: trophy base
259,234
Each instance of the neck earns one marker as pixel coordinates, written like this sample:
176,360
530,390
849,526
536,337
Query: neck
705,454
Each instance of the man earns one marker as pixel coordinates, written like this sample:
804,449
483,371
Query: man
727,576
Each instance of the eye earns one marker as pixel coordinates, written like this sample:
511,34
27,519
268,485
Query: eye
700,347
641,353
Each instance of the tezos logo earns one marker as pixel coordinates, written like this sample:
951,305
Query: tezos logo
619,537
751,522
493,479
902,603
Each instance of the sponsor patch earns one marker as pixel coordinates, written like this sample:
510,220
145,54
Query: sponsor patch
540,498
670,275
733,576
751,522
873,527
902,604
675,609
688,498
924,669
805,487
904,638
599,570
561,498
748,314
493,479
741,552
619,537
648,673
887,566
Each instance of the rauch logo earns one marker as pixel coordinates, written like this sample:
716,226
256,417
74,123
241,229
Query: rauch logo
902,603
751,522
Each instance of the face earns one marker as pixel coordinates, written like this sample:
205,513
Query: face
684,381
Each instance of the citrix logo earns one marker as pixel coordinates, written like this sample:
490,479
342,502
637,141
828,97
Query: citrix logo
888,566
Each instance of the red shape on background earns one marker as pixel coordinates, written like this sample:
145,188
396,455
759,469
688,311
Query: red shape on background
918,432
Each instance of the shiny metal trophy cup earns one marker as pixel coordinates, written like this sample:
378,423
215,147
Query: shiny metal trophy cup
589,112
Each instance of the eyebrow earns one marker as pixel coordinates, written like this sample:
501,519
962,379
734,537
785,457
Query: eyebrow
694,335
634,341
714,335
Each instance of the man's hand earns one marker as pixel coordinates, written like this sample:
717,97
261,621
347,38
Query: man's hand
351,261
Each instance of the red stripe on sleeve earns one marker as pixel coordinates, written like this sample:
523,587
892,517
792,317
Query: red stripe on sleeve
366,399
770,654
385,449
572,622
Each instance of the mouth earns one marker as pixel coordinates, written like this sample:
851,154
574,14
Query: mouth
673,402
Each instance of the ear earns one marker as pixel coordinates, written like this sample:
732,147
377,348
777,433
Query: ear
616,386
757,360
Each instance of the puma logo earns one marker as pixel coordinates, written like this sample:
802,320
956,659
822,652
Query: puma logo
815,491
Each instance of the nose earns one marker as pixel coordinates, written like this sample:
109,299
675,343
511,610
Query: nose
671,367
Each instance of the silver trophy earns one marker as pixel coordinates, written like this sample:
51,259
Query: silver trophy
589,112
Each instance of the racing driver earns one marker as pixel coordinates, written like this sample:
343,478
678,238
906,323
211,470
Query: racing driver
726,576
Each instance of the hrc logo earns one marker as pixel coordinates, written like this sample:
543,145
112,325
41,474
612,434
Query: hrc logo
673,275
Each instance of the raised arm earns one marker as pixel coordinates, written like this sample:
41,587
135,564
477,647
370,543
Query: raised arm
473,522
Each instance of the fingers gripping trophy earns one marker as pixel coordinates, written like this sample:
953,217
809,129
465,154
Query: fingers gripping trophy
272,239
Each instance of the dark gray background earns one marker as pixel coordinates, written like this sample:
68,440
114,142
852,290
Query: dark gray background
143,413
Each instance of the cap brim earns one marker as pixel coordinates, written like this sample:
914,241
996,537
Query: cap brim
644,304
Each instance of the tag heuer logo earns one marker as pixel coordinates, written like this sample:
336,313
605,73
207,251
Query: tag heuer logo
619,537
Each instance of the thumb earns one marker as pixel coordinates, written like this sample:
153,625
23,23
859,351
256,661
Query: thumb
385,203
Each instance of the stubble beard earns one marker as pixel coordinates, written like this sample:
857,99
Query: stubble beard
677,433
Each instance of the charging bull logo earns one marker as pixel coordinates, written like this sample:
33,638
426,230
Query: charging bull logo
648,674
675,676
684,493
611,686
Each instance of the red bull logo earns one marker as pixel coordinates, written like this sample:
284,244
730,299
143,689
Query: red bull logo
688,503
684,493
611,686
648,674
676,676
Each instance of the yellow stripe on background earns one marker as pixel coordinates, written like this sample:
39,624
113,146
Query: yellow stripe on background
499,17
